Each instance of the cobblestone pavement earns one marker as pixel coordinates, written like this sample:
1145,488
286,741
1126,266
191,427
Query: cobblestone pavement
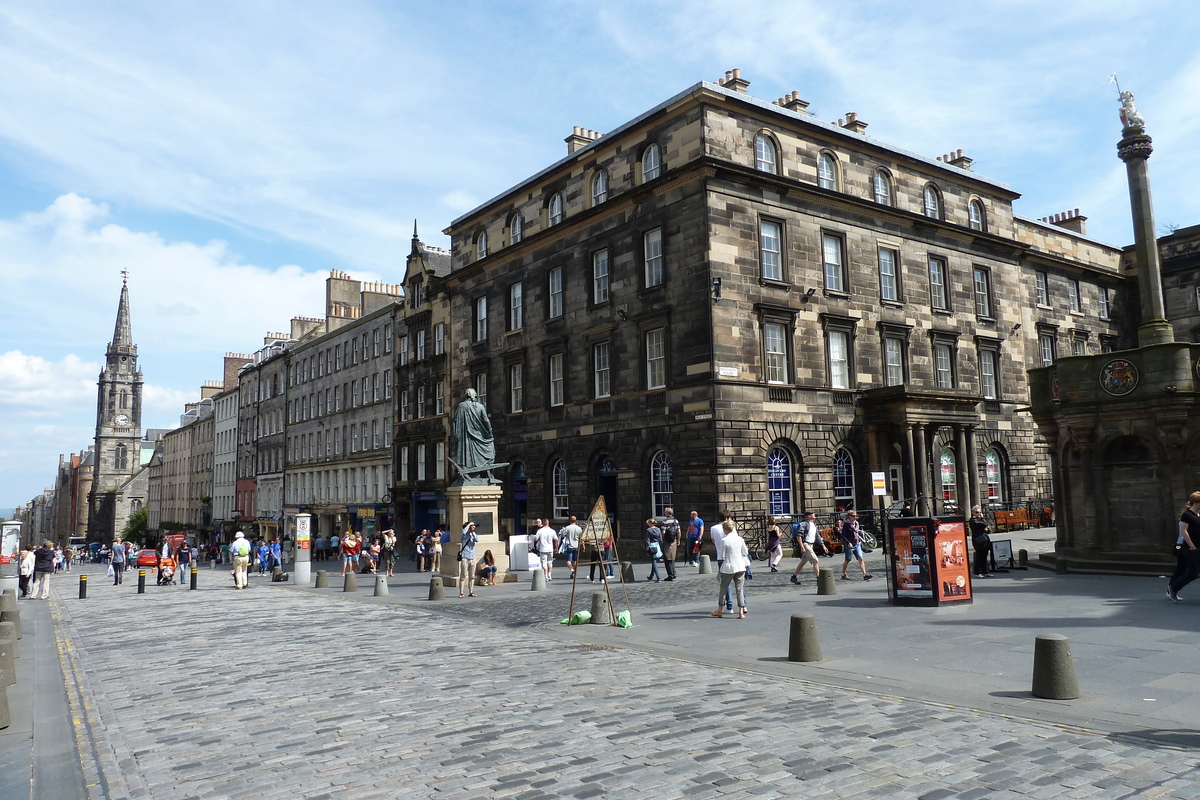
288,694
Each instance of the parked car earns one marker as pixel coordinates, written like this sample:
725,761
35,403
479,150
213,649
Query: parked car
147,557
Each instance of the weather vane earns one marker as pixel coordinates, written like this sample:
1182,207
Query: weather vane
125,277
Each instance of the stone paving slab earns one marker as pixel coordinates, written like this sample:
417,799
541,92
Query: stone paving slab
301,694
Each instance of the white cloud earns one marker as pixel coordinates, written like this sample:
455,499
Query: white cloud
31,386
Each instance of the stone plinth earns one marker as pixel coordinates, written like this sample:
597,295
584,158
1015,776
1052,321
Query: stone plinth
478,504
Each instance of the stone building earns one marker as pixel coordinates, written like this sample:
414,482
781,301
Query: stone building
71,488
339,411
423,380
225,431
727,302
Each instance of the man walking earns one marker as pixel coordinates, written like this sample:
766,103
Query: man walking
695,535
804,537
671,534
240,552
43,568
570,534
547,543
119,556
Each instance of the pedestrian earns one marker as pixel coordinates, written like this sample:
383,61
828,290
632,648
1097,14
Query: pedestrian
734,558
546,541
981,541
434,551
288,548
373,553
1187,557
654,542
387,552
224,556
852,545
695,538
804,537
466,560
717,534
486,574
419,548
43,568
185,562
276,553
25,571
906,510
120,557
319,548
264,556
570,536
774,545
335,546
240,552
671,534
610,554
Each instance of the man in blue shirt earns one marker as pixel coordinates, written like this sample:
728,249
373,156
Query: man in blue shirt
695,534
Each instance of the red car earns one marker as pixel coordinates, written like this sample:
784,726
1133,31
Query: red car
147,557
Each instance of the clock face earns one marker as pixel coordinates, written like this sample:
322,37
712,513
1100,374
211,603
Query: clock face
122,420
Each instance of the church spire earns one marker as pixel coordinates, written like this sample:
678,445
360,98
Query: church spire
122,340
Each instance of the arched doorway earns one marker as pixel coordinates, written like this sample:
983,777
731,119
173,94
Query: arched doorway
606,485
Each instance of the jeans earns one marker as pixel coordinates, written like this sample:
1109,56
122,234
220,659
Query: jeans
692,557
653,568
609,559
735,581
118,570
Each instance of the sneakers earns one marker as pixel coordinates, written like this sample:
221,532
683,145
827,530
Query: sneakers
1174,597
868,576
846,578
795,580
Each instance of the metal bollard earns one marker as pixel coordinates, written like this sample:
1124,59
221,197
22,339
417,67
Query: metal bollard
803,644
141,581
83,587
826,583
436,590
195,577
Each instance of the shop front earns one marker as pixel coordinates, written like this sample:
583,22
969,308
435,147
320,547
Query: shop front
369,520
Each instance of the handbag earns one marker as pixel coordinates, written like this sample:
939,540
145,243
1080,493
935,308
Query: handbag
460,554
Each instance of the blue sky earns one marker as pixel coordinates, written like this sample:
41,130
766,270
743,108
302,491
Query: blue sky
229,154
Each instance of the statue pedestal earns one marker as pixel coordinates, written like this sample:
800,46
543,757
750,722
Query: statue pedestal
478,504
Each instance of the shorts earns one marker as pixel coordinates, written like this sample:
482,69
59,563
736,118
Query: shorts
853,552
547,561
347,559
572,554
809,557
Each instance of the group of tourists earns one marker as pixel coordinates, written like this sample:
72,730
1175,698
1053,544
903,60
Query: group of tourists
35,569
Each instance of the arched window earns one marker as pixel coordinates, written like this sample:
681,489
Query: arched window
558,480
826,172
882,186
651,164
124,399
993,475
121,457
975,216
660,482
779,483
947,477
481,248
554,209
843,479
933,202
764,154
516,228
599,188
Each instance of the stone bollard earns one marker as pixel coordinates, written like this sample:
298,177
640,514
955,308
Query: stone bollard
322,580
5,716
537,581
1023,557
803,644
436,590
601,613
627,572
1053,668
349,582
9,631
13,616
276,574
825,582
1060,566
381,587
83,587
8,670
705,566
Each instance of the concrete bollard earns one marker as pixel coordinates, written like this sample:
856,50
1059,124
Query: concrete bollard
627,572
141,581
83,587
825,582
8,600
8,670
803,644
195,578
1023,557
601,613
381,587
1053,668
5,716
322,579
1060,566
436,590
13,616
9,631
349,582
705,566
276,574
537,581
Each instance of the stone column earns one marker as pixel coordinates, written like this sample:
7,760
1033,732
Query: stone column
973,467
909,465
1134,149
924,504
963,491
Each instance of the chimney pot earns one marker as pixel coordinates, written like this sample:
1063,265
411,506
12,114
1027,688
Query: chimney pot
737,73
728,74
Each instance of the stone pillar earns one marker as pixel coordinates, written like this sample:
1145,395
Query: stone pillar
973,467
478,504
1134,149
962,479
909,466
921,450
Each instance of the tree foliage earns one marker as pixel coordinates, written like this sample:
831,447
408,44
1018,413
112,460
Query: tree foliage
136,529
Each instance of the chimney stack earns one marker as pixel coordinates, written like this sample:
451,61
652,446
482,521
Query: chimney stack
581,138
1069,220
792,102
853,123
957,159
733,80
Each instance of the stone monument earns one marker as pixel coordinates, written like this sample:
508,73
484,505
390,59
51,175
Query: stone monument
474,493
1124,427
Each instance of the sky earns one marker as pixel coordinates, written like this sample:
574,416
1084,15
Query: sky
227,155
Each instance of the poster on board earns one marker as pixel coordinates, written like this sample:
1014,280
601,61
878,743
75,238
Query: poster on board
910,560
953,562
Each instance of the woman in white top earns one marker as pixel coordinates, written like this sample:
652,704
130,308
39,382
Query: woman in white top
734,557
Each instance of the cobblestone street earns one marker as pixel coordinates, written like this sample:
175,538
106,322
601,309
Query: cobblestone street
282,693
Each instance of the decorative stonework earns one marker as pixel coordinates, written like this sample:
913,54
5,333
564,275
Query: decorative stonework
1118,377
1054,385
1137,145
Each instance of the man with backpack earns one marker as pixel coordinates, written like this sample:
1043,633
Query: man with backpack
240,552
805,535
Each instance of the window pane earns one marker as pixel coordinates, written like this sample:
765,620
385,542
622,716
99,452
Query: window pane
833,263
1073,294
600,188
652,249
516,229
937,283
826,176
893,356
776,352
975,213
556,379
943,367
650,163
770,251
1047,345
661,483
987,369
481,246
600,370
839,360
556,292
516,314
889,288
1043,289
843,480
779,482
764,154
883,189
932,203
561,492
600,277
481,330
983,293
516,390
656,359
556,209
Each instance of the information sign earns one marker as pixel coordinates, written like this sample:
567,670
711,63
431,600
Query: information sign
929,563
879,484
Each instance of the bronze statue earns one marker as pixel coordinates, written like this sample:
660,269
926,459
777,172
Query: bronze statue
472,443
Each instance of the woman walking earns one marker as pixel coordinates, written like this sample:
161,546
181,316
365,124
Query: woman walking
653,547
735,558
774,545
1187,557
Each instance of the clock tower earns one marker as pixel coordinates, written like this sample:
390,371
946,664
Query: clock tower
118,430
